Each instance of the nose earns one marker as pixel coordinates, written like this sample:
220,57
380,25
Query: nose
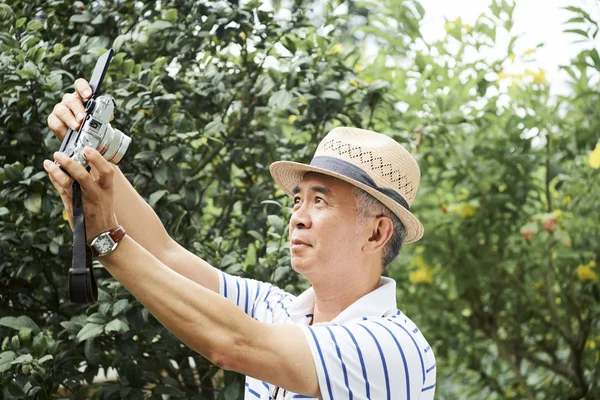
301,217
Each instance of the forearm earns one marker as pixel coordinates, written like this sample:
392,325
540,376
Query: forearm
138,218
143,225
203,320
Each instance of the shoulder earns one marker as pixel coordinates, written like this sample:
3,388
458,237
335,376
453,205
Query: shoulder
389,351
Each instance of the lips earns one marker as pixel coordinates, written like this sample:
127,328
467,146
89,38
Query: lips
297,242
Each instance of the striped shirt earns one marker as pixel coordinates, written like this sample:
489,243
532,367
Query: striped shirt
371,350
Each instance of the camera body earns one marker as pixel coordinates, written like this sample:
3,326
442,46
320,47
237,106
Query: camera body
97,133
95,130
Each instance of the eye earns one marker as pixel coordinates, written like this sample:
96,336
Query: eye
319,200
296,200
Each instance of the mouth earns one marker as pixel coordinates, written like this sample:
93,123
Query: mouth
299,243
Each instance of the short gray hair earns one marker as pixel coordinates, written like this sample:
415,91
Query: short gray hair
369,206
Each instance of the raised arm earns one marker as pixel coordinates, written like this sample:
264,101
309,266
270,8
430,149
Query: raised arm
137,217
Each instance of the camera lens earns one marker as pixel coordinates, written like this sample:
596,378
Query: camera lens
114,144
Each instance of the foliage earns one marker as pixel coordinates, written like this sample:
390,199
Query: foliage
504,283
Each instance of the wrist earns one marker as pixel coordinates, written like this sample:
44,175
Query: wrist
107,242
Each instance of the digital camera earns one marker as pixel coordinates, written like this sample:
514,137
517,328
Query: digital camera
95,130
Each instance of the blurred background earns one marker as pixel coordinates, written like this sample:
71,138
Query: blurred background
499,101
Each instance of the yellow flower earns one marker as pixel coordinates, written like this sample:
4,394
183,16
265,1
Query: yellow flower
585,273
590,344
592,264
243,35
422,275
337,48
419,262
567,200
369,79
595,157
65,216
557,300
292,118
538,76
464,193
511,56
468,211
529,51
354,82
358,68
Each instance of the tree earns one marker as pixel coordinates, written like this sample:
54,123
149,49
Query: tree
504,283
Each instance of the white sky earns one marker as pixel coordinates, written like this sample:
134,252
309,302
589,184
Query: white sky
538,21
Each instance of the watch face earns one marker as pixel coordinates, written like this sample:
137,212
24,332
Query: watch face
104,244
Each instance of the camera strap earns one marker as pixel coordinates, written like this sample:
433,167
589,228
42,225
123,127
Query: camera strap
82,283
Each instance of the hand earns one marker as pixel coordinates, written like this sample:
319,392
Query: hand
69,113
98,193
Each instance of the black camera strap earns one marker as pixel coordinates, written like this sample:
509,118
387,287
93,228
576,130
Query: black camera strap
82,283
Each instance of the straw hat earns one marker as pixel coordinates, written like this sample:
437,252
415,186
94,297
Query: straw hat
371,161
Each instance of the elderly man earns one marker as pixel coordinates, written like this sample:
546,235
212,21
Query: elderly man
343,338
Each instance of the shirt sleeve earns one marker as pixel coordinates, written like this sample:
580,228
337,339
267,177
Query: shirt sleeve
260,300
370,359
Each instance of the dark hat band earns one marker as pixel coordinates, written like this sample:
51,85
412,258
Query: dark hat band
351,171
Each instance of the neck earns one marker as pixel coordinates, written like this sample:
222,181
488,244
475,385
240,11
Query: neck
332,296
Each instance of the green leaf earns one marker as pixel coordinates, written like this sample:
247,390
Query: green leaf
256,235
6,359
331,94
280,272
47,357
34,25
160,25
19,23
97,318
276,222
171,15
281,99
117,325
23,359
119,306
4,211
21,322
89,331
34,203
169,152
82,18
156,196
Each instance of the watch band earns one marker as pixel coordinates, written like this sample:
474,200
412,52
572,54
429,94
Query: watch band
117,234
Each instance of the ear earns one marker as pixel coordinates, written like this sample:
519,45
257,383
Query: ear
382,231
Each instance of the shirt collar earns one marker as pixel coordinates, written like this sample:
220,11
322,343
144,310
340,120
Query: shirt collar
374,304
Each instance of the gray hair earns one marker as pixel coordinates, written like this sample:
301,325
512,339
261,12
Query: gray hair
369,206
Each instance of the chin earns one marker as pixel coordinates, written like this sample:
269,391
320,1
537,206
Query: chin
299,265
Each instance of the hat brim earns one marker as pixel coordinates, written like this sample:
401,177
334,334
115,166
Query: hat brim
288,174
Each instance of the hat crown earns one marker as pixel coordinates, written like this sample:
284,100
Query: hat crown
386,161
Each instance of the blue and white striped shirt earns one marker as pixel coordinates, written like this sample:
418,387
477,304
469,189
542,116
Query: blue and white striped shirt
371,350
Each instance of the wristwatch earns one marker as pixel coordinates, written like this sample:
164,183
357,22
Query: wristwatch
106,242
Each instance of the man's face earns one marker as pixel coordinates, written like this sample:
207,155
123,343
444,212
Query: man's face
324,231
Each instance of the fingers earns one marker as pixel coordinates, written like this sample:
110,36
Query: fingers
57,126
69,113
82,88
105,170
65,115
61,181
78,172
